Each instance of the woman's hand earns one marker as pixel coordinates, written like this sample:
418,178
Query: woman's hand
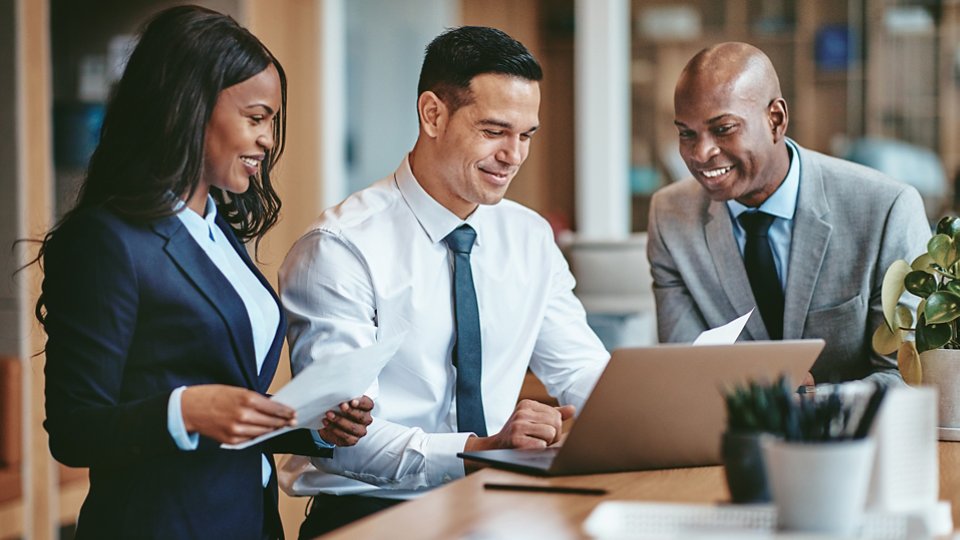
229,414
348,424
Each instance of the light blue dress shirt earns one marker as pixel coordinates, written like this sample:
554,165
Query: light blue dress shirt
782,204
262,309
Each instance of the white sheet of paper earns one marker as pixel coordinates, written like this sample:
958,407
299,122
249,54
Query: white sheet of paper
723,335
326,383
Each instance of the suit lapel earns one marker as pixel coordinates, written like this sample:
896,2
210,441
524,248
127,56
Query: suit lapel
730,270
811,235
211,283
269,367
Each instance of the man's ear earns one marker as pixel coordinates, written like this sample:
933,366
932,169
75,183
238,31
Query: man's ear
778,117
433,114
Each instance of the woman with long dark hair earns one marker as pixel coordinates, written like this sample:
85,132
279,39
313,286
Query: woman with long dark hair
162,334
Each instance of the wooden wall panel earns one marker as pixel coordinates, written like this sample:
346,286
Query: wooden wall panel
291,29
520,19
35,210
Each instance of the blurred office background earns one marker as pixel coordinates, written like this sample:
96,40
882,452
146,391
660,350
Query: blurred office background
876,81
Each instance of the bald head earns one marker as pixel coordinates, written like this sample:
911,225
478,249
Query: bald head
739,67
732,122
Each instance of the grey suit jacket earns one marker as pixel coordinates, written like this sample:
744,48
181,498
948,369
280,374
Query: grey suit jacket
851,222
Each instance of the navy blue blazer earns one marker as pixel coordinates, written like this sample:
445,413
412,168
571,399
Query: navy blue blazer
134,312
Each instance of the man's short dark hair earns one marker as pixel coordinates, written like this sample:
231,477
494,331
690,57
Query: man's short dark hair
458,55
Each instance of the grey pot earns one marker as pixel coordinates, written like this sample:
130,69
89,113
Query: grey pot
743,465
941,368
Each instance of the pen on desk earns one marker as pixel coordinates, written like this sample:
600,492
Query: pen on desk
546,489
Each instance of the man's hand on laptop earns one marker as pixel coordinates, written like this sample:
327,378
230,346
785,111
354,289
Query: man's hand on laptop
532,425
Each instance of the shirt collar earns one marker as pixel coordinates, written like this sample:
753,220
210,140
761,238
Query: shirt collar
199,226
783,202
435,219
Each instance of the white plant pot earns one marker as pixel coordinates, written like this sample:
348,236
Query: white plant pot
941,369
819,487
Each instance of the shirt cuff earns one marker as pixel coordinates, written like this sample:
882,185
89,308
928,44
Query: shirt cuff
175,425
265,470
441,464
318,440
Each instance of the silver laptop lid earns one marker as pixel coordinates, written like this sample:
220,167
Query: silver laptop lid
662,407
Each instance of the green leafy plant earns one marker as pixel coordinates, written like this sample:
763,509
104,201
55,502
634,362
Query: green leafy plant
934,277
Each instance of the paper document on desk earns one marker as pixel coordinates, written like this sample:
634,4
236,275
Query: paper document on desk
326,383
723,335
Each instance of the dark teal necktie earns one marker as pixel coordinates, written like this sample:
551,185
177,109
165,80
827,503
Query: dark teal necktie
762,271
466,350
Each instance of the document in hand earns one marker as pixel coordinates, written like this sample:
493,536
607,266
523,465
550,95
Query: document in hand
724,335
326,383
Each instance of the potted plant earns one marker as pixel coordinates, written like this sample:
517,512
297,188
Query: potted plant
754,411
932,356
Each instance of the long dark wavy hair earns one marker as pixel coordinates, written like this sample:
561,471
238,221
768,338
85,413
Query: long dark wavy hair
151,148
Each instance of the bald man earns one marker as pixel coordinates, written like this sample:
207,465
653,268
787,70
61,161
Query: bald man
803,237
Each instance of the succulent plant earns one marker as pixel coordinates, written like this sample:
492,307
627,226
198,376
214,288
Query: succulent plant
934,277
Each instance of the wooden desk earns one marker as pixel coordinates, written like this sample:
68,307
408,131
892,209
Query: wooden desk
463,509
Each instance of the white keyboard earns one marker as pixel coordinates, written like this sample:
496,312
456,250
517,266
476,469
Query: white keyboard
663,521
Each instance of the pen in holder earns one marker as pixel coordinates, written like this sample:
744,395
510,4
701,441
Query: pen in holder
820,471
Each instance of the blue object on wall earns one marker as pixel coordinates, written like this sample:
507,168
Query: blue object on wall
76,132
832,47
920,167
643,179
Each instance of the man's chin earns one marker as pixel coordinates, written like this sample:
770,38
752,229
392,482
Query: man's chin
493,196
719,195
729,186
492,200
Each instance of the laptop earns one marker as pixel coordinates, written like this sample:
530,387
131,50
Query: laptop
659,407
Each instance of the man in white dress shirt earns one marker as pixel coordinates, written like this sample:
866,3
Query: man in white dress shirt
378,264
